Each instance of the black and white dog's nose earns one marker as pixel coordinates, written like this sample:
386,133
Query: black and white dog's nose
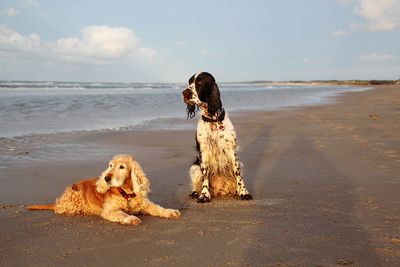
187,95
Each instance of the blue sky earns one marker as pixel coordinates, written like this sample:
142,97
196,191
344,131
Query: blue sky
167,41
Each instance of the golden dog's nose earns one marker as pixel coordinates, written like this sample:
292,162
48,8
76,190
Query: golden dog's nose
107,179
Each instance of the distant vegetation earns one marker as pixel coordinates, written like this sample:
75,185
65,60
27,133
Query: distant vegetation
379,82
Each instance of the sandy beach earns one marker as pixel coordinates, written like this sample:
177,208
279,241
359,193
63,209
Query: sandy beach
325,181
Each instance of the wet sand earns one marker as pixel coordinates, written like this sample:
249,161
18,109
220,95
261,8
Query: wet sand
325,182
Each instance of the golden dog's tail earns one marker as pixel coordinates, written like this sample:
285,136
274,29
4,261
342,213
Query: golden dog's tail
42,207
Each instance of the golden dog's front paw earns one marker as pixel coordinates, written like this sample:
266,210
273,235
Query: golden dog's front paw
131,220
173,214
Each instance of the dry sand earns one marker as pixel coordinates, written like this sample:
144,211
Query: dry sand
325,182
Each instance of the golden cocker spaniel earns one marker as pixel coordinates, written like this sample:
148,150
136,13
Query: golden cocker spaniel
119,192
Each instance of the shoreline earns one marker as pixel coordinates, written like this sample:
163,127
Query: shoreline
324,179
19,125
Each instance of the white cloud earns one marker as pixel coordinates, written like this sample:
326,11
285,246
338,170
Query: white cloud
9,12
103,43
98,53
373,9
373,57
97,44
13,42
380,15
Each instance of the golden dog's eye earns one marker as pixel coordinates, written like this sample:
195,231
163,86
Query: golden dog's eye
110,165
121,167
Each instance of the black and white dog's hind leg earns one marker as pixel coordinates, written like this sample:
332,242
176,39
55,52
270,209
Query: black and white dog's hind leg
201,187
200,183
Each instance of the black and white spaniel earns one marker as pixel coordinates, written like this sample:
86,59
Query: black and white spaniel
216,170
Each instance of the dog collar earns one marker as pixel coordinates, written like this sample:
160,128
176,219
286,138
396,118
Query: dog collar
220,118
126,195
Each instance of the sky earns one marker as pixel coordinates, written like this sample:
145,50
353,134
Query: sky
169,40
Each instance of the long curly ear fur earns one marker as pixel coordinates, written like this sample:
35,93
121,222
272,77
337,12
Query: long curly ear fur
140,183
101,184
214,101
191,111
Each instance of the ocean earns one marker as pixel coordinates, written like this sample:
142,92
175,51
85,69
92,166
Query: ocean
39,120
32,108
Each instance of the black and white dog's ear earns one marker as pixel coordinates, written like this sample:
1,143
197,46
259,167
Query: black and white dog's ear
214,100
191,111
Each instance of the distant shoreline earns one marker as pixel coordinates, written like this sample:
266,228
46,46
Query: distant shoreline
335,82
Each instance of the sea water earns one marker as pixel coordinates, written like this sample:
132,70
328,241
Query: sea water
32,108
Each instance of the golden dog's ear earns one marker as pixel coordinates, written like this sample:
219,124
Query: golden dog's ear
140,183
101,184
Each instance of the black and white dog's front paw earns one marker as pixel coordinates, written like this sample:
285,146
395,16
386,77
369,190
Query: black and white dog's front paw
203,199
246,197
